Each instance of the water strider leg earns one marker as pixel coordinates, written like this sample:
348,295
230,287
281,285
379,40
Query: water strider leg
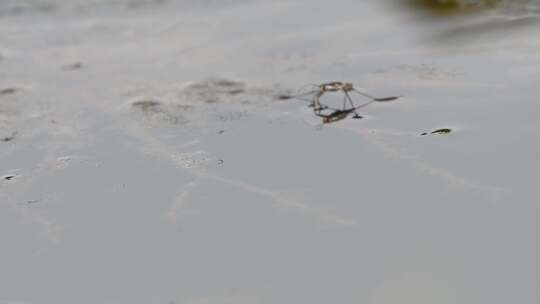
356,115
389,98
317,103
313,102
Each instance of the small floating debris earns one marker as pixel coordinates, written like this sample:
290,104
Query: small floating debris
220,162
236,91
221,132
438,131
283,97
29,202
73,66
8,91
146,105
332,114
10,137
9,177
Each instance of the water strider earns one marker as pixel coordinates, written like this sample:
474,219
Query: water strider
332,114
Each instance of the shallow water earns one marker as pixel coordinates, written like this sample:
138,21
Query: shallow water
151,158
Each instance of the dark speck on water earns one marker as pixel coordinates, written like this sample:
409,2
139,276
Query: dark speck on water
146,105
73,66
441,131
226,83
9,177
236,91
10,137
8,91
438,131
283,97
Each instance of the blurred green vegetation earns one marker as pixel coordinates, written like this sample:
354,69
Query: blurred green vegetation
448,7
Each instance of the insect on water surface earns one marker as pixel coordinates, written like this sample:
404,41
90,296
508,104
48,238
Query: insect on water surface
331,114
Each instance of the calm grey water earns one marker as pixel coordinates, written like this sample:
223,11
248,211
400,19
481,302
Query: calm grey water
146,158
